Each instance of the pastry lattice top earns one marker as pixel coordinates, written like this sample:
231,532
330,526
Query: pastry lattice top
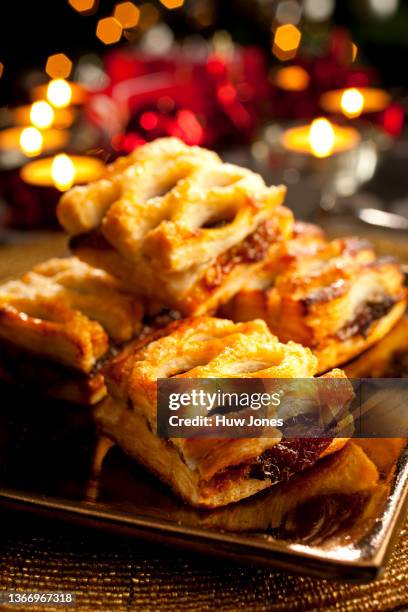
67,311
173,204
205,347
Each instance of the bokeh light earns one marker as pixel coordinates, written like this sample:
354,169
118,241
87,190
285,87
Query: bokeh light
31,141
62,172
149,120
286,41
352,102
384,9
59,93
318,10
292,78
83,6
1,69
288,11
127,14
321,137
109,30
41,114
58,66
172,4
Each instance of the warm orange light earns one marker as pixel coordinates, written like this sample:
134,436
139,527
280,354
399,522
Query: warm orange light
109,30
352,102
286,41
127,14
41,115
82,6
12,139
75,93
58,66
292,78
63,117
354,52
321,138
172,4
31,141
1,69
62,171
59,93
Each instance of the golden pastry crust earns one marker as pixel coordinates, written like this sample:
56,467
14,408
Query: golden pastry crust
64,312
206,472
147,171
338,299
227,349
387,359
348,472
169,217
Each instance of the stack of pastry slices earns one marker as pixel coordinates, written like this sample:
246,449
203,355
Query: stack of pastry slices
185,266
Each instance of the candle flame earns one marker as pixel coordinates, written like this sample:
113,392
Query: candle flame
31,141
41,115
321,137
62,172
352,102
59,93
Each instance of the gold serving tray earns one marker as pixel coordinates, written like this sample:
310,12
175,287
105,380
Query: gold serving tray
337,519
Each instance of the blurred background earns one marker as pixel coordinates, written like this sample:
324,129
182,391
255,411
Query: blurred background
312,94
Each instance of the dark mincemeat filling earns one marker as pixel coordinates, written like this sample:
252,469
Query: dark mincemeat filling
278,463
282,461
252,250
369,312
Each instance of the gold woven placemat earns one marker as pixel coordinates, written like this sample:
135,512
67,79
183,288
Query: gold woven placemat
111,573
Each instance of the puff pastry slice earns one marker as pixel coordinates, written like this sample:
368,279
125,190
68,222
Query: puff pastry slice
338,298
206,472
176,224
59,321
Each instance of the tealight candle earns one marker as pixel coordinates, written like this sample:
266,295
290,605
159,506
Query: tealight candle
31,141
354,101
60,93
62,171
42,115
320,139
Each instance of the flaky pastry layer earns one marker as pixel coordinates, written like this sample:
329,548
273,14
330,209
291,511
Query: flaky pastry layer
338,299
176,224
207,472
58,321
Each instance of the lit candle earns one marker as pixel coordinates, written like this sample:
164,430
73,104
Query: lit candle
320,139
354,101
62,171
41,114
292,78
60,93
32,141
